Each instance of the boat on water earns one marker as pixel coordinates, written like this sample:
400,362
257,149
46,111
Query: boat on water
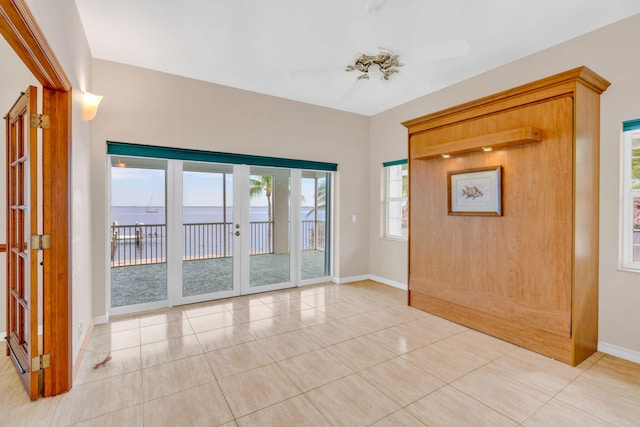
150,207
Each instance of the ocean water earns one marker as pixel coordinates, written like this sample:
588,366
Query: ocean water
129,215
198,241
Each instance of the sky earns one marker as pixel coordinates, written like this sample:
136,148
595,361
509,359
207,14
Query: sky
143,187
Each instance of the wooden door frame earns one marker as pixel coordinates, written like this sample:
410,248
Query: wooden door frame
19,28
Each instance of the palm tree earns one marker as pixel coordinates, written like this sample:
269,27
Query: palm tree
320,199
257,185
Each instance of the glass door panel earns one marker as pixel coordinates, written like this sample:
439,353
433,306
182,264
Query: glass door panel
269,228
314,259
138,232
207,230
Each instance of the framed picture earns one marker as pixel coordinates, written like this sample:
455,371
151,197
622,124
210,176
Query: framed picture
475,191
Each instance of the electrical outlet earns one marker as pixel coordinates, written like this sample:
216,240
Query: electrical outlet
80,329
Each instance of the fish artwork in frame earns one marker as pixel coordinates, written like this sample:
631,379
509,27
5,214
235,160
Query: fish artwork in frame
475,191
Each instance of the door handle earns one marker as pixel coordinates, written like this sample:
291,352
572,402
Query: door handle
237,233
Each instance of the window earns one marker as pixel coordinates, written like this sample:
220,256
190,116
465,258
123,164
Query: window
397,201
631,195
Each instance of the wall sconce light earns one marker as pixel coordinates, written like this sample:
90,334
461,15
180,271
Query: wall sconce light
90,104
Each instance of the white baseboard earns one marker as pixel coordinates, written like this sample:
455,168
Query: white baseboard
101,320
342,280
389,282
621,352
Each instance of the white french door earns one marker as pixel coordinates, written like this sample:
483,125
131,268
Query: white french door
229,230
246,247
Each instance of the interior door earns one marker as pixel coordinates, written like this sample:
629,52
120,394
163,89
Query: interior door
22,223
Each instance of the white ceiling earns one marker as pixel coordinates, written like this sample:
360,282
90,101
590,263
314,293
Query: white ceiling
298,49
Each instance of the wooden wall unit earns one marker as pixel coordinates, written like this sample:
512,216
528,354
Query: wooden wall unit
530,276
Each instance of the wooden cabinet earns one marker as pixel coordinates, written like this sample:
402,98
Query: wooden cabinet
530,276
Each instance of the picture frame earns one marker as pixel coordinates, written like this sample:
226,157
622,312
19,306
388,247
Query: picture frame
475,191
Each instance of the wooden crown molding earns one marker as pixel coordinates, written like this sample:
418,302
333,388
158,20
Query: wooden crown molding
568,78
19,28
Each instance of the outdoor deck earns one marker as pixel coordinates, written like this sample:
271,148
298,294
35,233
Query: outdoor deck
139,269
137,284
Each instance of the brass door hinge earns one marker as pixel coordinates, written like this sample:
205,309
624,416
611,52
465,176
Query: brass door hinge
41,362
40,241
41,121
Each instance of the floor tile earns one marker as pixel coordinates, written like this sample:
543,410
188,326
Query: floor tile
511,398
610,390
288,345
238,358
203,309
399,419
32,414
256,389
90,400
341,310
314,369
403,382
116,324
400,339
320,299
288,306
165,331
366,323
360,353
106,343
130,417
441,362
169,350
430,322
294,412
477,345
157,317
309,317
171,377
449,407
538,371
203,405
122,362
556,413
351,401
252,313
362,357
271,326
330,333
225,337
211,321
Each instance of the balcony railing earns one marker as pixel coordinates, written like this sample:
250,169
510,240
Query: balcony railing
146,244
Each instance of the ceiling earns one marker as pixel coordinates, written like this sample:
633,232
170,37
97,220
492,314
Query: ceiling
298,49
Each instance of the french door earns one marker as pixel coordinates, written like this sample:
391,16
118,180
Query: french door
22,255
235,225
213,231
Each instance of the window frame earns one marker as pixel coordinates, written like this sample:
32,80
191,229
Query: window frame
631,130
388,200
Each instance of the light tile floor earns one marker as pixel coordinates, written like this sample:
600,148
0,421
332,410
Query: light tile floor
324,355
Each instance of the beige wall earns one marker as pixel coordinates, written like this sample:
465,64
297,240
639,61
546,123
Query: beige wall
611,52
148,107
61,26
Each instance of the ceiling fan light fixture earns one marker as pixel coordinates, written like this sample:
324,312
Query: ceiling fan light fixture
383,65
